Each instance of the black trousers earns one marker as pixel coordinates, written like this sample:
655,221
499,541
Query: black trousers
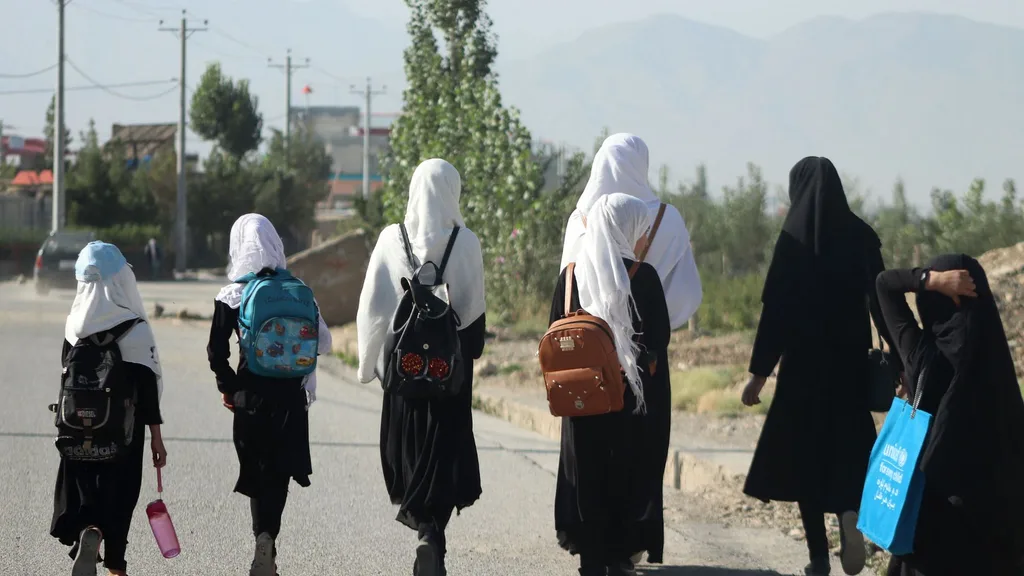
814,527
268,507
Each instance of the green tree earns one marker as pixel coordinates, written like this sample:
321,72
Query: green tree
290,189
49,130
453,110
224,112
92,194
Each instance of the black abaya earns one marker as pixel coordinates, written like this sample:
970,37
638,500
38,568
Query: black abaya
428,451
973,461
609,492
271,426
818,295
105,494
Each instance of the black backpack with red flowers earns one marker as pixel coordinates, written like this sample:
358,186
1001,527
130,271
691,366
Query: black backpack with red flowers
424,356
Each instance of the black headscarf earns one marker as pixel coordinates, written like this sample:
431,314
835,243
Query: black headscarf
975,449
822,241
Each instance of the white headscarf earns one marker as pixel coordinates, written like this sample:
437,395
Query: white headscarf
621,165
253,246
615,223
108,296
432,213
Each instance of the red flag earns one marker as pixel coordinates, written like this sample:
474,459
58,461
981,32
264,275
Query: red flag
306,89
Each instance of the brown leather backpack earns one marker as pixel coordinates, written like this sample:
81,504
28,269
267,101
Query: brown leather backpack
578,358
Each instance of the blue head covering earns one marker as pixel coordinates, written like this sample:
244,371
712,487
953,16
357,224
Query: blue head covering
98,261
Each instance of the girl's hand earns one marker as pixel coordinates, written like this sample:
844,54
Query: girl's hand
952,283
903,390
752,391
226,401
159,452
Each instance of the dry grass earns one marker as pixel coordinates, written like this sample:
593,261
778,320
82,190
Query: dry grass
712,389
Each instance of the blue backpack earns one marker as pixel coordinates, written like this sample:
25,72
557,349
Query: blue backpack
278,325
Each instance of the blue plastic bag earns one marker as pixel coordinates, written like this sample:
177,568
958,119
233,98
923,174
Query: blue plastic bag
894,485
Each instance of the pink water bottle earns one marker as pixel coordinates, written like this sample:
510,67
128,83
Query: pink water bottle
160,522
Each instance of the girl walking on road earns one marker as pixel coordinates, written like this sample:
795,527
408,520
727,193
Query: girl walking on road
973,461
427,449
818,434
608,503
271,420
94,501
621,166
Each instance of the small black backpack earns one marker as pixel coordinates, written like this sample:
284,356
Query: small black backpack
95,411
424,356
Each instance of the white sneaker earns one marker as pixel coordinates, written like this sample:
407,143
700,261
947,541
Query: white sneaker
88,552
852,553
263,560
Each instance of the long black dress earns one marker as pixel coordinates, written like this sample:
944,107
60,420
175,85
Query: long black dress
973,461
105,495
271,426
818,294
428,451
609,495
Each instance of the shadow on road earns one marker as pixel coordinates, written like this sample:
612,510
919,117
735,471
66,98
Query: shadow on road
700,571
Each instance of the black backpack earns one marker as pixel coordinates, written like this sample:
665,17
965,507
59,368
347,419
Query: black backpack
95,411
424,356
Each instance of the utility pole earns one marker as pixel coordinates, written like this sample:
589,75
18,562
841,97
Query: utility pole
368,93
3,150
181,220
59,141
288,68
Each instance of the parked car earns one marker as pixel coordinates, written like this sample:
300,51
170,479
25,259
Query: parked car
55,262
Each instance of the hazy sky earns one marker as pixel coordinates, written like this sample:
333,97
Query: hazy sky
116,41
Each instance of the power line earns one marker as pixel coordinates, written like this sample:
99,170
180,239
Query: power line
107,89
30,74
136,7
88,8
90,87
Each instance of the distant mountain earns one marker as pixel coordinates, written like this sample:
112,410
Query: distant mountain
934,99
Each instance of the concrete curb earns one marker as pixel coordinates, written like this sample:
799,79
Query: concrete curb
684,470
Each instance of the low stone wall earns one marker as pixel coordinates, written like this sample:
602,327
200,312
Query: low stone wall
335,271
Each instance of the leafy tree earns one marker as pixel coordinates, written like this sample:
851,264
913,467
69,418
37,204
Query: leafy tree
291,189
224,112
49,130
92,194
453,110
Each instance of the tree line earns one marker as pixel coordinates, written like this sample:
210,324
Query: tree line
130,202
453,110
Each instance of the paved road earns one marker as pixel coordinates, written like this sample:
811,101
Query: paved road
343,524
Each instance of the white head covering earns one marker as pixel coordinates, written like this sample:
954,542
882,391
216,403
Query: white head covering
253,246
432,213
614,225
108,296
621,165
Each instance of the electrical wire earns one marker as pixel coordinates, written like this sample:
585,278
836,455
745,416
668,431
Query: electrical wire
30,74
135,7
107,89
88,8
93,87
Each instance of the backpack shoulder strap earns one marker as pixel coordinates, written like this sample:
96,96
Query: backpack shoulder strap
570,278
447,254
115,334
407,245
650,240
